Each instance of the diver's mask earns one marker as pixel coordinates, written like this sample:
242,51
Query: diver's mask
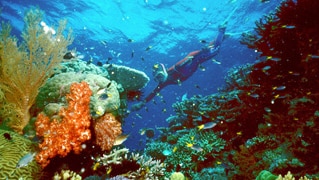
159,73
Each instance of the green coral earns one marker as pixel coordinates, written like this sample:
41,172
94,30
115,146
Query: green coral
11,151
105,96
185,157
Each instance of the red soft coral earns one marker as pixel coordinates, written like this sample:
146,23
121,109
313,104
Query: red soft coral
62,136
107,128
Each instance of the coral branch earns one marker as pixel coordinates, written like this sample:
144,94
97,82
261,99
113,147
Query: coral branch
67,134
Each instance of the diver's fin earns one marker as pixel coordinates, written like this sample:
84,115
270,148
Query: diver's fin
229,16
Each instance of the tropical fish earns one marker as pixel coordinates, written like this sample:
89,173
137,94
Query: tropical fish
279,88
207,125
175,149
194,147
148,48
120,139
184,97
69,55
95,166
26,159
167,152
216,62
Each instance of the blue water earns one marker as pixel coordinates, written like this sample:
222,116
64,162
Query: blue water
102,30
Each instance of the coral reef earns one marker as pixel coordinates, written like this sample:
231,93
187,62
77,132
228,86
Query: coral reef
193,151
267,112
13,147
105,96
25,66
106,129
60,136
67,174
130,79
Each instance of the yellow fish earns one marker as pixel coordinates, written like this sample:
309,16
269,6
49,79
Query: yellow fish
95,166
207,125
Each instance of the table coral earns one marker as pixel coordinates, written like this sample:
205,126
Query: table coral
107,128
62,136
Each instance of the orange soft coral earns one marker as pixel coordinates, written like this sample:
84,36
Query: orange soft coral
62,136
107,128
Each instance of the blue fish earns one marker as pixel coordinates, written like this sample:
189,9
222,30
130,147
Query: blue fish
26,159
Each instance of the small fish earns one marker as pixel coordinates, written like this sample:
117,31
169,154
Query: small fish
175,149
216,62
253,95
120,139
103,97
239,133
142,58
99,63
109,170
167,152
194,147
266,68
202,68
179,82
142,131
197,86
279,88
26,159
207,125
95,166
104,43
7,136
132,53
148,48
90,61
69,55
203,41
184,97
273,58
101,91
288,26
108,85
267,109
130,40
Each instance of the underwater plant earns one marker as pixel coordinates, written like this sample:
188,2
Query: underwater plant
26,65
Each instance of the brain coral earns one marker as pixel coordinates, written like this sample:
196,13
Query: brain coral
12,148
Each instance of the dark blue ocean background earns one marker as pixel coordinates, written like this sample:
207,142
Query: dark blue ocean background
104,29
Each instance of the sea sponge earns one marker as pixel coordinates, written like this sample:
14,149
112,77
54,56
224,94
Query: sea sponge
12,148
130,79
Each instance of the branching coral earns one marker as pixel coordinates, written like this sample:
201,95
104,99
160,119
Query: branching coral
107,128
24,67
62,136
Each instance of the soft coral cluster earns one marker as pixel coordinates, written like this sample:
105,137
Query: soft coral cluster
107,128
62,136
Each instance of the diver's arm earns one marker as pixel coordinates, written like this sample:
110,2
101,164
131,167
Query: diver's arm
154,93
219,39
141,104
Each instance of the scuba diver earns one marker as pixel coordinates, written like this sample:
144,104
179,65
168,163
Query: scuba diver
184,68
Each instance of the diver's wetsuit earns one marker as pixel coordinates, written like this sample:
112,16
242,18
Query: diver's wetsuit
186,67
